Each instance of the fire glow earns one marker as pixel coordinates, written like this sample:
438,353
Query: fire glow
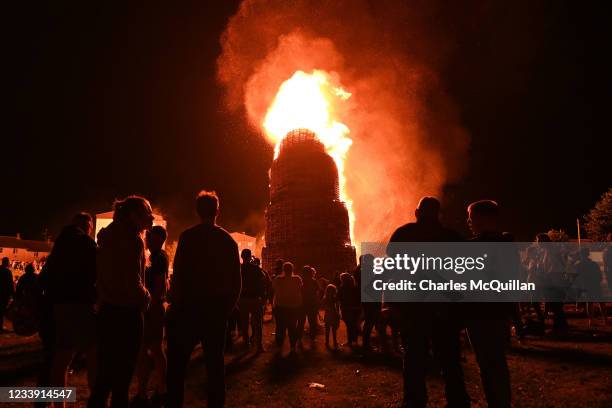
309,101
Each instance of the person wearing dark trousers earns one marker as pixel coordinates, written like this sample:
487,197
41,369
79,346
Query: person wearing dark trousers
420,329
372,309
252,298
423,325
277,270
349,298
205,288
122,299
7,289
553,265
183,335
310,303
488,325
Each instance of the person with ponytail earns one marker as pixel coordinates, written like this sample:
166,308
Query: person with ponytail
122,299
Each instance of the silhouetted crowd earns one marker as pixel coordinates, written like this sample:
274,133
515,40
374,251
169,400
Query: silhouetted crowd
114,303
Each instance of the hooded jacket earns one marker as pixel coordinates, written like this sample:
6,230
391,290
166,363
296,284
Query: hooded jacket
69,275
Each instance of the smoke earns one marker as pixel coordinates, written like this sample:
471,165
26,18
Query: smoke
407,140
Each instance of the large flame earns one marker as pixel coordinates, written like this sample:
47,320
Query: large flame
310,101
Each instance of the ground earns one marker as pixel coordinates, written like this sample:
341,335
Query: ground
575,371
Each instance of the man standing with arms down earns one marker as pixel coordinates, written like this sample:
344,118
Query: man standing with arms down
422,323
488,324
252,298
205,288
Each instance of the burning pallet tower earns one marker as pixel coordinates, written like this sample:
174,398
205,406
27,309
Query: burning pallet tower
306,223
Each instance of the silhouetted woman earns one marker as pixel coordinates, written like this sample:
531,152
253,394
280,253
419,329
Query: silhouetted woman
122,297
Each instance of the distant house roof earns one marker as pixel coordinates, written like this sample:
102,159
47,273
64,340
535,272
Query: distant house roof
30,245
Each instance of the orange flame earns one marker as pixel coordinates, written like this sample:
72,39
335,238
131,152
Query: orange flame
309,101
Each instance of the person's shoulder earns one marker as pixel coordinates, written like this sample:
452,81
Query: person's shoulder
189,232
403,231
66,232
219,233
195,234
86,240
410,226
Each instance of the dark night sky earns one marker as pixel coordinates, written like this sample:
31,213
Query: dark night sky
107,99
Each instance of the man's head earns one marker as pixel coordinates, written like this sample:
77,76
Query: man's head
29,269
609,236
246,255
84,222
156,237
5,261
278,266
307,272
428,210
207,206
483,216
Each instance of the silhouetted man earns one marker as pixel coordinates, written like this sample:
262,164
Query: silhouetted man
421,323
206,287
7,289
252,298
310,302
588,282
488,324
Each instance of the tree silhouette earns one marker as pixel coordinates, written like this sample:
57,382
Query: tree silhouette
599,219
